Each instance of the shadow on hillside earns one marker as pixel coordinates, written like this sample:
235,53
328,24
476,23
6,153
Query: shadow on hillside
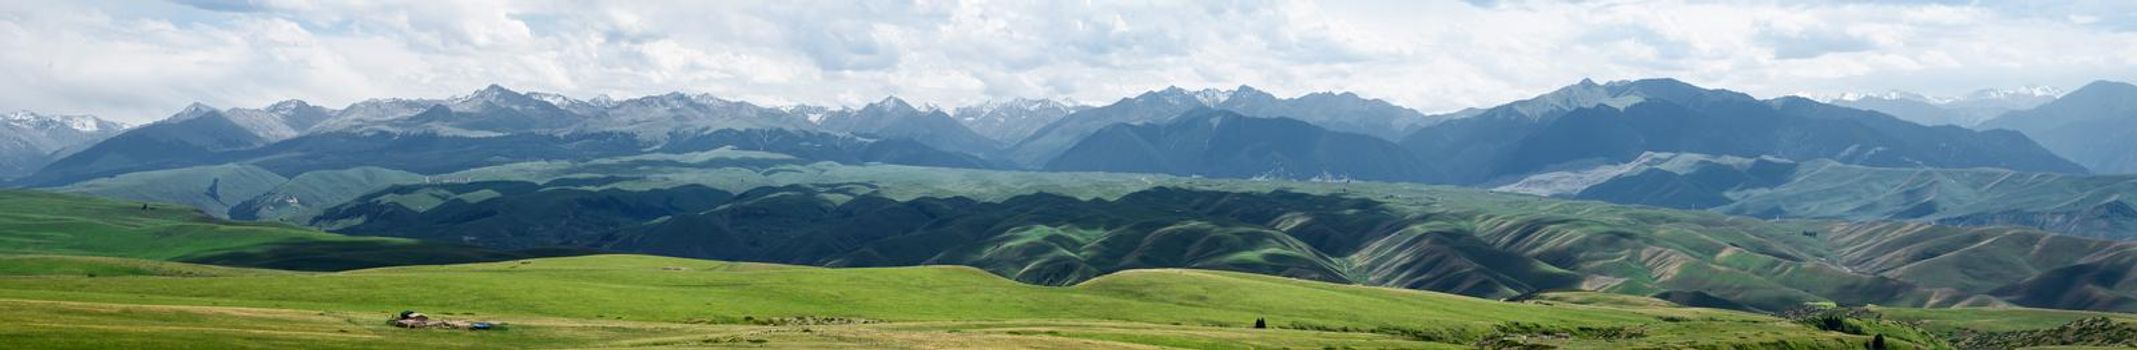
353,255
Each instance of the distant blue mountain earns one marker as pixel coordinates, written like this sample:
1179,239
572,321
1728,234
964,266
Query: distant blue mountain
496,125
1342,112
1588,123
2095,125
1220,143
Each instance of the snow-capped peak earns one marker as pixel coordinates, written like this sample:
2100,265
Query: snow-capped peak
22,115
488,93
287,106
891,103
602,100
555,99
1211,97
2027,91
191,111
1206,97
710,100
83,123
1019,103
1896,95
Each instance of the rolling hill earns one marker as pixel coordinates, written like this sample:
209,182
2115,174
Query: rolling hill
1057,228
80,266
100,285
2096,206
38,223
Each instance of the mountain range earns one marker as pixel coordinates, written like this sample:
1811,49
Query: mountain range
29,140
496,125
1968,110
1586,124
893,118
1010,121
1222,143
2095,125
1341,112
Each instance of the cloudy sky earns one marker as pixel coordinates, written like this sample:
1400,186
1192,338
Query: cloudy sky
141,60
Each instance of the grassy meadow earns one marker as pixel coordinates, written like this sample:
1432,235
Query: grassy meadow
84,273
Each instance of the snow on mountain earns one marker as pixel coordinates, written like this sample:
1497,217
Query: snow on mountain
655,117
555,99
2029,91
29,140
1889,95
1011,120
1965,110
80,123
893,118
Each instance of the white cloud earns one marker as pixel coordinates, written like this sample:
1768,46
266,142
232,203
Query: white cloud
138,61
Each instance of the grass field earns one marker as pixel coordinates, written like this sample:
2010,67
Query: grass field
632,301
80,273
1994,319
39,223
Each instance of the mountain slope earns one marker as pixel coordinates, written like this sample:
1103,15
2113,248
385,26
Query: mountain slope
2094,126
1964,111
1220,143
1343,112
661,116
2084,205
212,189
1388,234
1587,124
489,127
1010,121
892,118
172,143
1155,106
29,140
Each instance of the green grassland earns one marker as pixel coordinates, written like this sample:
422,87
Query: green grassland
95,266
1994,319
621,300
1448,239
39,223
1101,272
120,281
1398,235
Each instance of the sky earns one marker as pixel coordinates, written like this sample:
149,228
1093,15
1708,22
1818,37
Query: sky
140,60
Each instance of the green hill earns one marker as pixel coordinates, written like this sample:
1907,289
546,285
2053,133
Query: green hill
92,297
91,266
1061,228
213,189
57,224
1432,238
2082,205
